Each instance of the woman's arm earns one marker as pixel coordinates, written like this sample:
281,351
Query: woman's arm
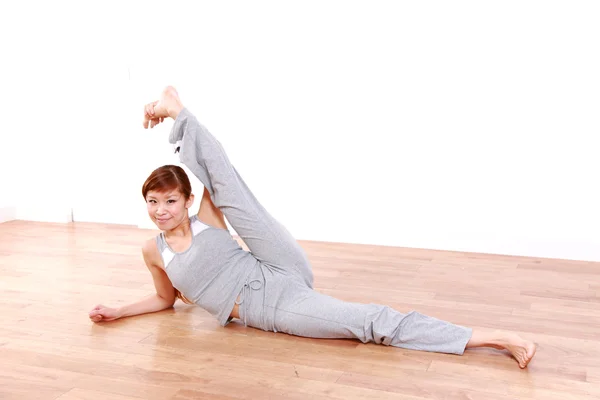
163,298
209,213
152,303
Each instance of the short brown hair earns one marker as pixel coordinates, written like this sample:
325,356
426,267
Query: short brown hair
168,177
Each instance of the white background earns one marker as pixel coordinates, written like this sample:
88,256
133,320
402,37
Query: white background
456,125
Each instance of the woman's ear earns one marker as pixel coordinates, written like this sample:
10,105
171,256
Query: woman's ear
189,201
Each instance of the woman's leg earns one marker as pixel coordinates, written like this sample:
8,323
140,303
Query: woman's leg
305,312
268,240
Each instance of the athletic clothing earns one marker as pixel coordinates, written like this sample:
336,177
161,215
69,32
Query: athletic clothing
212,271
274,279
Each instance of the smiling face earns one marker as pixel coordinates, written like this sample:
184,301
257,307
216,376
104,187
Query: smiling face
168,195
168,209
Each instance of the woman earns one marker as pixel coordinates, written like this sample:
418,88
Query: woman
271,286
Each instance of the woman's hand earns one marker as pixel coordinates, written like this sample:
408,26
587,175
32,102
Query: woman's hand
151,116
102,313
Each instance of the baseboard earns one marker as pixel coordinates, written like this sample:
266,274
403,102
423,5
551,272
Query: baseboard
7,214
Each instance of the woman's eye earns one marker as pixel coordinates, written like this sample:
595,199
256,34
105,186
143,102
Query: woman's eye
171,201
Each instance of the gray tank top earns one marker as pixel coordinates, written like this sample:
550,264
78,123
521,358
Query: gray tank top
212,271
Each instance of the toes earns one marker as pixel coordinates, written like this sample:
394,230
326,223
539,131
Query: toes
527,357
523,362
522,357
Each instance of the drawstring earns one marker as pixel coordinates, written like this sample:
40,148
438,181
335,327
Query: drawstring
243,295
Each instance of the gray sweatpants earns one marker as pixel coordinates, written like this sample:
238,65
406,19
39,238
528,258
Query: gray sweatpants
279,296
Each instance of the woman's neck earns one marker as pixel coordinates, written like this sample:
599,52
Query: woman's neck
181,230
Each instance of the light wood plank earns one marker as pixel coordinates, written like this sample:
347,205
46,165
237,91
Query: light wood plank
85,394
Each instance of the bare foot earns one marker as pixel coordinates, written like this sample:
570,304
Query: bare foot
522,350
169,105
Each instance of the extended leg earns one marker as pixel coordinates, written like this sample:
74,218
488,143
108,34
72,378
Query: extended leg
312,314
305,312
268,240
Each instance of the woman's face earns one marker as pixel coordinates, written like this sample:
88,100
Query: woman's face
168,209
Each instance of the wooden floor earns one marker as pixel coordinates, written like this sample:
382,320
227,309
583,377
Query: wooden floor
51,275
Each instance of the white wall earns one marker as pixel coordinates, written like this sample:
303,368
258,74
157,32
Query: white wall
7,185
7,130
447,125
39,70
65,81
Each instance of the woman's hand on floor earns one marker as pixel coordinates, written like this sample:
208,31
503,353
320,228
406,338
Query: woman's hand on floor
102,313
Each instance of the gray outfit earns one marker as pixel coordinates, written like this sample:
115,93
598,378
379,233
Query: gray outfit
274,279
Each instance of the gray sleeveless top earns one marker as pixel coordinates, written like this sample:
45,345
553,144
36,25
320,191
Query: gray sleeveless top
212,271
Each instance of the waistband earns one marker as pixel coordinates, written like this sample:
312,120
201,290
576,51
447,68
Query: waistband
254,282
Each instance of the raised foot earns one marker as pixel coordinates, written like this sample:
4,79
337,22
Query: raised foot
169,105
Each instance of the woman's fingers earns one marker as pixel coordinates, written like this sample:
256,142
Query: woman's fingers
97,310
146,118
149,119
98,307
97,318
156,121
150,108
97,313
